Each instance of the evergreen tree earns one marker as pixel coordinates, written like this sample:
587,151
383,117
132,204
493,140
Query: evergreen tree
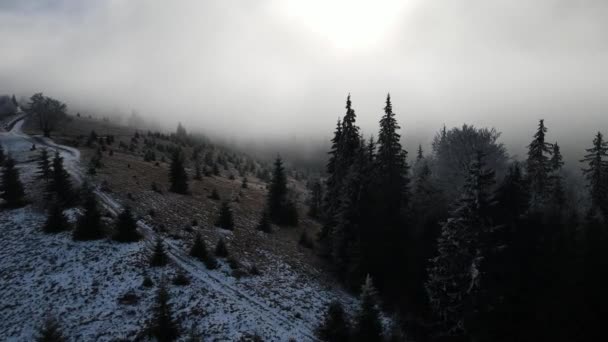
56,221
199,251
221,250
280,208
368,327
538,166
11,187
163,326
420,155
225,219
597,173
335,326
177,174
89,225
126,227
455,272
44,165
265,225
159,256
558,194
316,200
334,177
198,170
512,196
245,183
50,331
60,186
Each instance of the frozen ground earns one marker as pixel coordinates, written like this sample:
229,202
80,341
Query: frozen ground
95,288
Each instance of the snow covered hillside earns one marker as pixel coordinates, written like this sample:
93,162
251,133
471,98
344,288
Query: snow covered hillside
96,288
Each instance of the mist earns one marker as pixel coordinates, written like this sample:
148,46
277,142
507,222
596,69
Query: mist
274,71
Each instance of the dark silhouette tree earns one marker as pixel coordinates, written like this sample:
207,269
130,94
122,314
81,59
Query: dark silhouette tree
126,227
48,110
199,251
89,225
221,250
281,210
597,173
335,326
539,167
159,256
44,165
265,225
60,186
11,187
225,219
56,221
177,174
315,205
163,326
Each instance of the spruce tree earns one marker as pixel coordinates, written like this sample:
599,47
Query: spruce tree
597,173
265,225
225,219
368,327
512,195
335,326
332,183
163,326
454,273
280,208
199,251
60,185
419,155
50,331
539,167
11,187
159,256
126,227
177,174
89,225
44,165
558,194
56,221
316,200
221,250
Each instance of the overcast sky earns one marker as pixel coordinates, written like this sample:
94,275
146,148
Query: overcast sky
282,68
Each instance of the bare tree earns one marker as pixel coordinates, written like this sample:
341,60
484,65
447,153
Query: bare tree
49,111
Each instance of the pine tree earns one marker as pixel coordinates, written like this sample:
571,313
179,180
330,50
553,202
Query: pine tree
420,155
335,326
221,250
126,227
455,272
368,327
177,174
56,221
391,166
539,166
265,225
558,194
597,173
60,186
50,331
159,256
163,327
280,208
199,251
44,165
89,225
330,201
11,187
316,200
225,219
512,195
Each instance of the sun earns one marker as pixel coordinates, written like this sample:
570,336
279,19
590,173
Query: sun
346,24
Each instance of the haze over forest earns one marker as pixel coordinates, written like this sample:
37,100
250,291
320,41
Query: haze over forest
272,70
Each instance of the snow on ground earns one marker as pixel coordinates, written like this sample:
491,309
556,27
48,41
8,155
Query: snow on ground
95,288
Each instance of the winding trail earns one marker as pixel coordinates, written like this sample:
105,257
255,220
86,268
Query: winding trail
19,144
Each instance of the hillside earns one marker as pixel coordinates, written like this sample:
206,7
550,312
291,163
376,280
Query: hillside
95,288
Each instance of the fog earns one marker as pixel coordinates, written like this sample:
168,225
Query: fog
279,70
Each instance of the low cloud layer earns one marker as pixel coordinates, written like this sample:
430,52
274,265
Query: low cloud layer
265,70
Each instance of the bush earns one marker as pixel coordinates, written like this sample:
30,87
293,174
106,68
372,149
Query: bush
221,250
181,279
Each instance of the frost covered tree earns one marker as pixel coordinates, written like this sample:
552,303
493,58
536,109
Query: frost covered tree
454,273
163,326
225,219
335,326
368,326
159,256
11,188
44,165
50,331
199,251
177,173
56,221
538,166
125,229
89,225
597,173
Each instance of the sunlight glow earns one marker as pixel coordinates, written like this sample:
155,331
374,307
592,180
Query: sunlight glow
347,24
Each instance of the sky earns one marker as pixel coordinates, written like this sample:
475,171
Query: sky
280,70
